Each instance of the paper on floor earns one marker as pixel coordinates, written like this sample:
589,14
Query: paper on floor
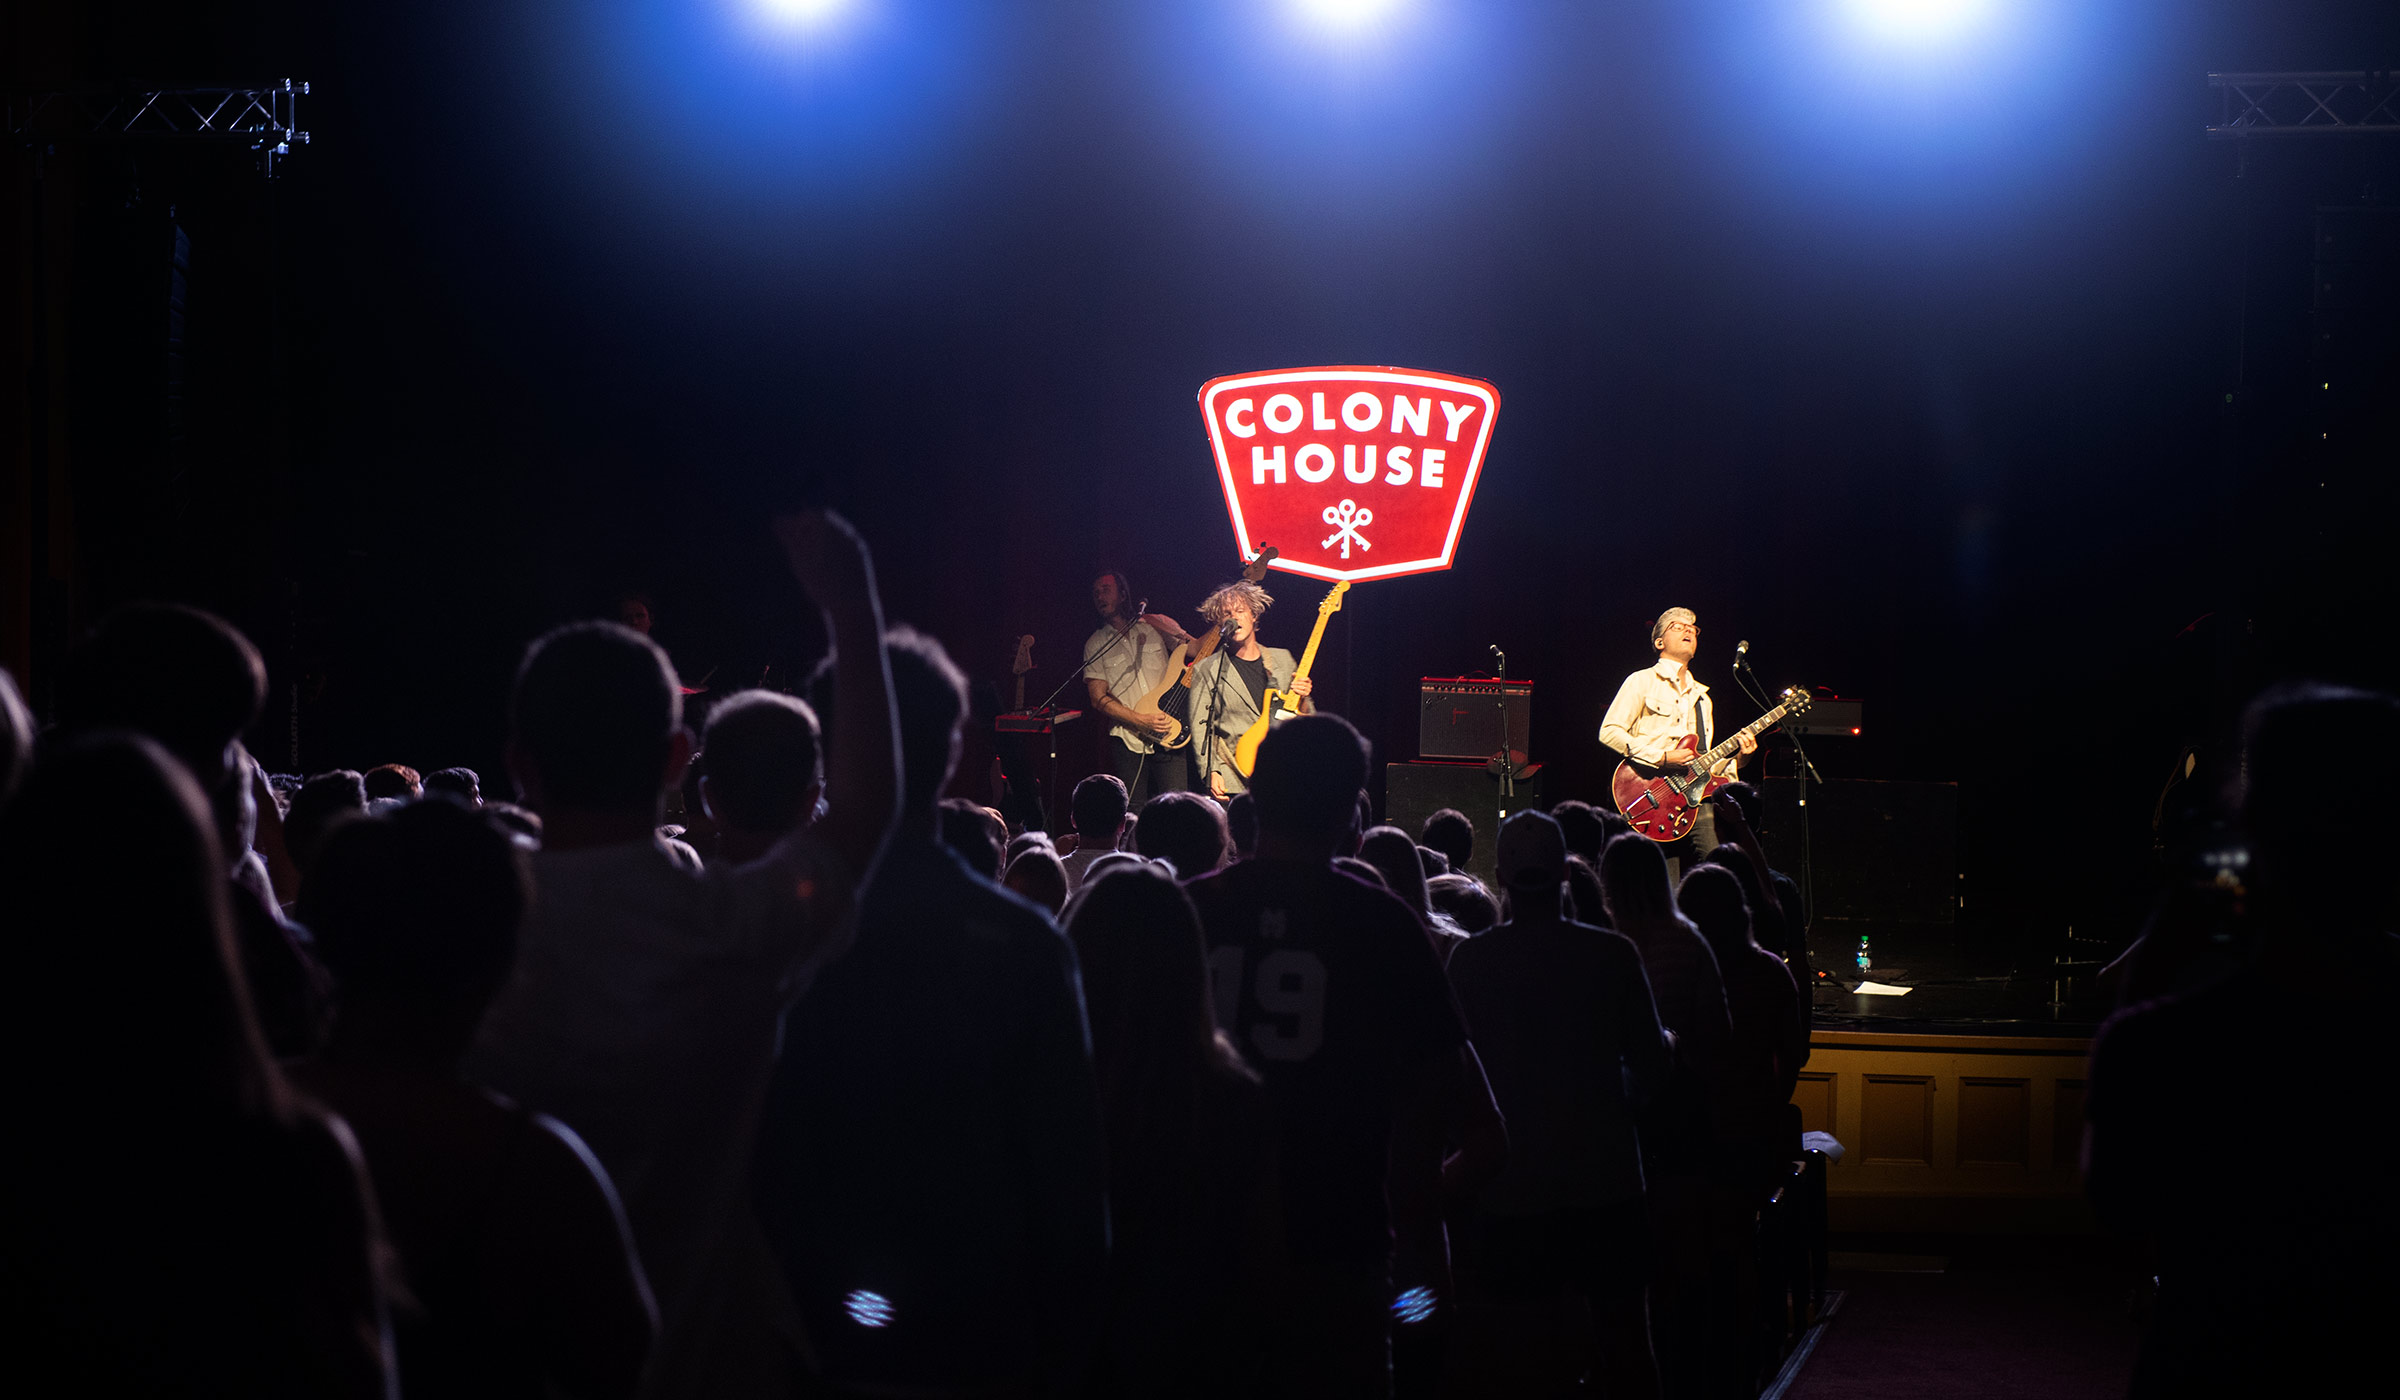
1881,989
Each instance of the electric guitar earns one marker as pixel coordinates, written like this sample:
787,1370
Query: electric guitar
1663,805
1282,704
1022,663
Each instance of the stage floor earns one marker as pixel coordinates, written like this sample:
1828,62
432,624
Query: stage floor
1950,991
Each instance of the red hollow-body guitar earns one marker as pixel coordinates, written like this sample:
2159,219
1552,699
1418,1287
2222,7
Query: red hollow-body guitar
1663,805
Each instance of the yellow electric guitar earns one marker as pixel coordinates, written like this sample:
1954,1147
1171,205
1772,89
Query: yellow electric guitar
1282,704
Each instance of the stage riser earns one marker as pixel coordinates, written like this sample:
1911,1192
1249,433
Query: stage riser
1949,1133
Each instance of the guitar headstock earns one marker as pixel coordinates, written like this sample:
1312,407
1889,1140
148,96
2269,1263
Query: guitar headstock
1333,600
1256,570
1797,700
1024,658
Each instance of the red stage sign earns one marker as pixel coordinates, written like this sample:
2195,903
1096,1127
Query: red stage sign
1351,471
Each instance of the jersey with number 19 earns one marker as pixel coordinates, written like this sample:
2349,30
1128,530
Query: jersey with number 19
1333,991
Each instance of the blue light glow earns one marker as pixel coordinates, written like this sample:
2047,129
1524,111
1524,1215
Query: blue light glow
1414,1306
868,1309
801,13
1920,21
734,115
1347,14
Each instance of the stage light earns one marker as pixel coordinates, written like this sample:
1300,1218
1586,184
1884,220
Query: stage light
868,1308
1347,14
801,13
1919,21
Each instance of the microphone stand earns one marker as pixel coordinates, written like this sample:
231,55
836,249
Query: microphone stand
1508,758
1216,702
1092,659
1050,728
1808,773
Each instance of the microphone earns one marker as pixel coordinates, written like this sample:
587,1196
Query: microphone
1740,650
1502,655
1226,629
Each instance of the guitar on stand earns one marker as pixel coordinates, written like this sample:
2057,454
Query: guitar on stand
1282,704
1172,696
1044,719
1662,805
1017,667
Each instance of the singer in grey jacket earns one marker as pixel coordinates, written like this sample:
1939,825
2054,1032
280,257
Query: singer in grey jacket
1230,684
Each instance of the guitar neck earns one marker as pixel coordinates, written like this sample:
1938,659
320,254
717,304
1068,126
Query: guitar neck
1308,658
1717,755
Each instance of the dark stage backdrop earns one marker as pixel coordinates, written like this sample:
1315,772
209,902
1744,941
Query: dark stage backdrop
2006,436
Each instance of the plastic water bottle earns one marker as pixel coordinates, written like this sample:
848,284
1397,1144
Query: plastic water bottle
1866,961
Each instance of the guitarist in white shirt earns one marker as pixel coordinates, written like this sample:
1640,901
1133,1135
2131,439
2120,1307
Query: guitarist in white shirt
1230,684
1660,704
1125,659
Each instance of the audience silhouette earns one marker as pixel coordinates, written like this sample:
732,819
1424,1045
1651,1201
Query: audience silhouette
1678,1127
1562,1016
930,1164
1334,987
1196,1248
2283,1285
1186,830
179,1222
190,682
1098,807
345,1085
761,774
644,1006
508,1233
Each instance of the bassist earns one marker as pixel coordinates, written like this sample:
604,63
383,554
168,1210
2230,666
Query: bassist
1229,686
1122,661
1660,704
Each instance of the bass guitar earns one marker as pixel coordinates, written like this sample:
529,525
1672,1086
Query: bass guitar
1662,805
1282,704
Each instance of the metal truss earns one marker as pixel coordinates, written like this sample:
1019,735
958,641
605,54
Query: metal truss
266,119
2305,104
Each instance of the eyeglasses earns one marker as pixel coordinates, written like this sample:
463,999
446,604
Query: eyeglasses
1679,627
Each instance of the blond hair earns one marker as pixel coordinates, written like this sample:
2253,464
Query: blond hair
1213,606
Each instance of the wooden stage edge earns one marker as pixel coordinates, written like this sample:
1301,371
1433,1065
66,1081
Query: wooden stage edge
1949,1134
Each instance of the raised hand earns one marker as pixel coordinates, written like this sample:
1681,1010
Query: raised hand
828,558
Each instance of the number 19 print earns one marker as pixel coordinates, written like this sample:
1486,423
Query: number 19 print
1278,1011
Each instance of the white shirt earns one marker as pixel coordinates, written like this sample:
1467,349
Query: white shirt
643,1013
1654,708
1131,669
1081,861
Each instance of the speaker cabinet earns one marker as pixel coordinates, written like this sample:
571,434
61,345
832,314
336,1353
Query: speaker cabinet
1414,791
1459,716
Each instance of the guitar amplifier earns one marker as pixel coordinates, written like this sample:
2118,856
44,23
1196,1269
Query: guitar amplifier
1831,716
1459,716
